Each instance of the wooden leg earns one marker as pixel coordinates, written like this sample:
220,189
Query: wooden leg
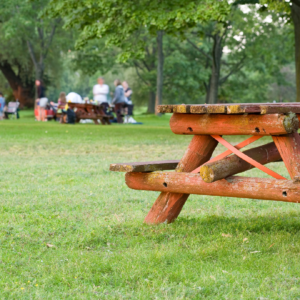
102,121
168,205
289,149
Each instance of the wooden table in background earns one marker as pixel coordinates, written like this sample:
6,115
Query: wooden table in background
84,111
198,173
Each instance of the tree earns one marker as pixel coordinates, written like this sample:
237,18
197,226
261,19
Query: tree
29,43
289,9
122,23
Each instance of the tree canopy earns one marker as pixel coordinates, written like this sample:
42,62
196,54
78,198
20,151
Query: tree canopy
122,23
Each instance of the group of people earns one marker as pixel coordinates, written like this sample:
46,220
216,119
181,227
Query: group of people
121,99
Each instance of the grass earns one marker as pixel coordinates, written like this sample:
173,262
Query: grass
56,188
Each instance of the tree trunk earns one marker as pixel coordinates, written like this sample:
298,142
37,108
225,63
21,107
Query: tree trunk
151,103
296,20
213,87
21,91
160,67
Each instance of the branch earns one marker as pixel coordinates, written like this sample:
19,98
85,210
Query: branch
296,2
139,75
199,49
32,55
51,38
145,64
235,69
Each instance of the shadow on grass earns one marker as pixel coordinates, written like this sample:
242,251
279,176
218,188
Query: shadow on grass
208,227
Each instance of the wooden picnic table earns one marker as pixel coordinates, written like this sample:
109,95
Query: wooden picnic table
84,111
198,173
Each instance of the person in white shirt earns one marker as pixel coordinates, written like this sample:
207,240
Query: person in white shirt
74,98
101,91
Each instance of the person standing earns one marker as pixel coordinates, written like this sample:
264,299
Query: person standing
41,100
2,104
119,100
100,91
127,92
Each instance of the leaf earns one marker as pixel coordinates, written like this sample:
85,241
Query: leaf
50,245
245,239
227,235
255,252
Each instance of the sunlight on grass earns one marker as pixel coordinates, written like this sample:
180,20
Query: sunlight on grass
56,189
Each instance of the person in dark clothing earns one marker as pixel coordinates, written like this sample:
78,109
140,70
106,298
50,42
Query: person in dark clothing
41,100
119,100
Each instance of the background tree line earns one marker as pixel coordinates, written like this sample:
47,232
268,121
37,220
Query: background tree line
179,52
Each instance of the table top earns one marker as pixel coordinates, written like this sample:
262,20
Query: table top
232,108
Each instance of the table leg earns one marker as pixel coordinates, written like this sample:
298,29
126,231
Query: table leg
289,148
168,205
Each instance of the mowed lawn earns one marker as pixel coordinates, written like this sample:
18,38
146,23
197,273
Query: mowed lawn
56,189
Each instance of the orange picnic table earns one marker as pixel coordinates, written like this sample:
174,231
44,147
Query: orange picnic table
198,173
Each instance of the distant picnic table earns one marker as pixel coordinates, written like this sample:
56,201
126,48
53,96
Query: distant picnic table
198,173
84,111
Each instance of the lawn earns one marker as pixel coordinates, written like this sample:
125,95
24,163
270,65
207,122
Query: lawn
56,189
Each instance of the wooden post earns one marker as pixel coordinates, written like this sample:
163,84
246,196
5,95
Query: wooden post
218,124
228,166
234,186
289,149
168,205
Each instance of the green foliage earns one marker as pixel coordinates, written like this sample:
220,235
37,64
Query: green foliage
32,45
122,23
262,67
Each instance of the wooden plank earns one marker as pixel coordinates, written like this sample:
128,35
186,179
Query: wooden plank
289,149
198,109
234,186
218,124
168,205
149,166
165,109
181,109
241,108
228,166
275,109
216,109
232,108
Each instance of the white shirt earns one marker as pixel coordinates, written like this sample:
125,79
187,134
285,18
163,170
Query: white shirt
100,92
74,98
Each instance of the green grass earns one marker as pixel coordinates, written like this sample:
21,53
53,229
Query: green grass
55,187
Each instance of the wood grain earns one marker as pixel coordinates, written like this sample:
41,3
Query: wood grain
289,149
168,205
234,186
231,165
149,166
234,124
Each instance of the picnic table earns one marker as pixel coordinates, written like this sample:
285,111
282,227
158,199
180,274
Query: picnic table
198,173
86,111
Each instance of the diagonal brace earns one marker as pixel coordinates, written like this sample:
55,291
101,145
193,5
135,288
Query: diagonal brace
247,158
241,145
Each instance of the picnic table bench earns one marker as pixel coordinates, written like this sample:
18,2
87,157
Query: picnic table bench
84,111
198,173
